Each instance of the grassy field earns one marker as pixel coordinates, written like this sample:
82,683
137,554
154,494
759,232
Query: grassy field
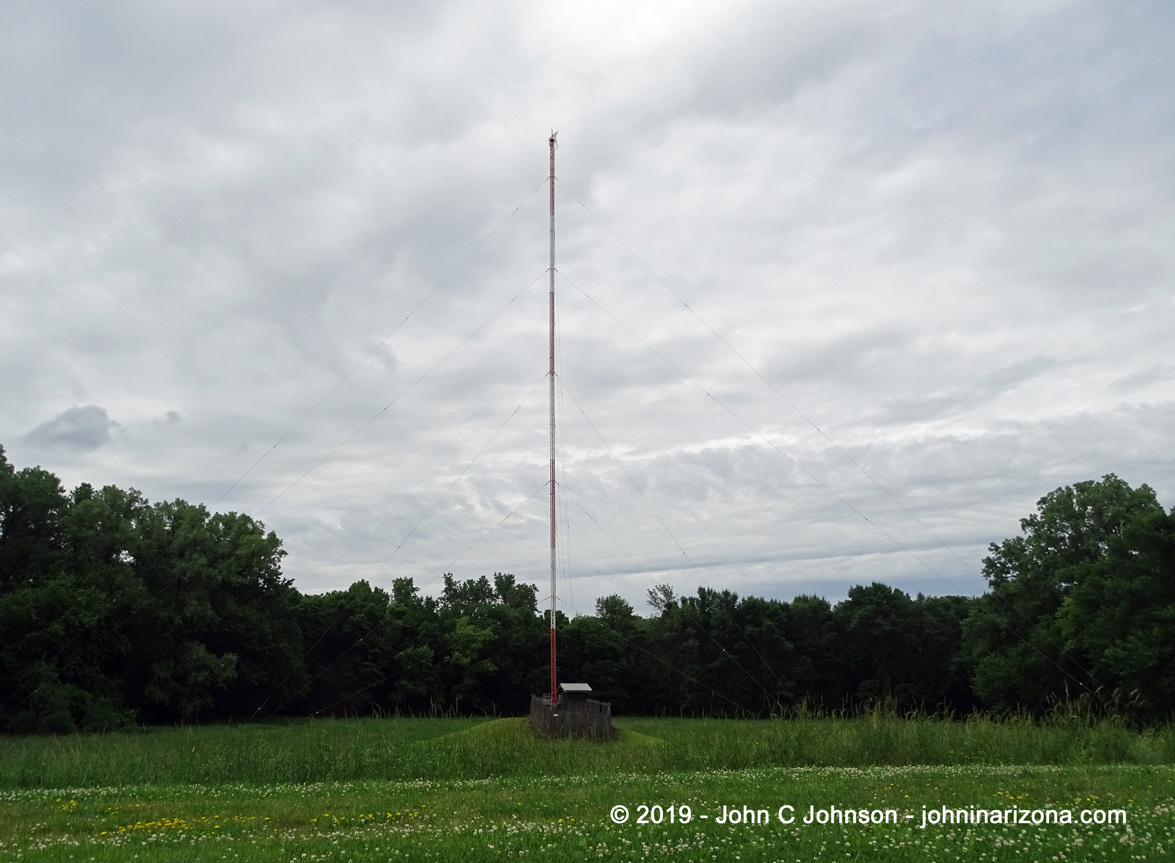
398,749
452,789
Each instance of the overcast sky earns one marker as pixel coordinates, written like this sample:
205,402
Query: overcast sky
942,233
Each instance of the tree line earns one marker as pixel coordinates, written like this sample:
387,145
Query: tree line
115,611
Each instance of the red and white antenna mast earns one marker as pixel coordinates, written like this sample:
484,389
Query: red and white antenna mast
551,389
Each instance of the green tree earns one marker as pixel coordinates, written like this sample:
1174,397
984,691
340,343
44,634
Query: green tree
1023,638
31,504
69,579
513,660
219,630
1120,612
352,642
879,623
418,685
818,665
938,676
112,608
592,651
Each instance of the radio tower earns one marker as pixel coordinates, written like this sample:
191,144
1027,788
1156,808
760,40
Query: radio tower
551,391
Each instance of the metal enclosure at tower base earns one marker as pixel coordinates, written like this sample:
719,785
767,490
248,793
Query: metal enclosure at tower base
573,714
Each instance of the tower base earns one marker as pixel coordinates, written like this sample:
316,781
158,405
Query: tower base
582,718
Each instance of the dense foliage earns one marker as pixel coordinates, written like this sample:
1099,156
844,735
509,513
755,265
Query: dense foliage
115,610
1083,601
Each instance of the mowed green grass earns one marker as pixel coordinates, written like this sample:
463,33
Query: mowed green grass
472,791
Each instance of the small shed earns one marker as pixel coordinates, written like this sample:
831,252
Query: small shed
574,695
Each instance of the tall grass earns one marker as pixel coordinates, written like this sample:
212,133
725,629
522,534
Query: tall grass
356,749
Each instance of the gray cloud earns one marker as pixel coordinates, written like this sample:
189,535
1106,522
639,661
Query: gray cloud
986,388
1159,373
78,429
